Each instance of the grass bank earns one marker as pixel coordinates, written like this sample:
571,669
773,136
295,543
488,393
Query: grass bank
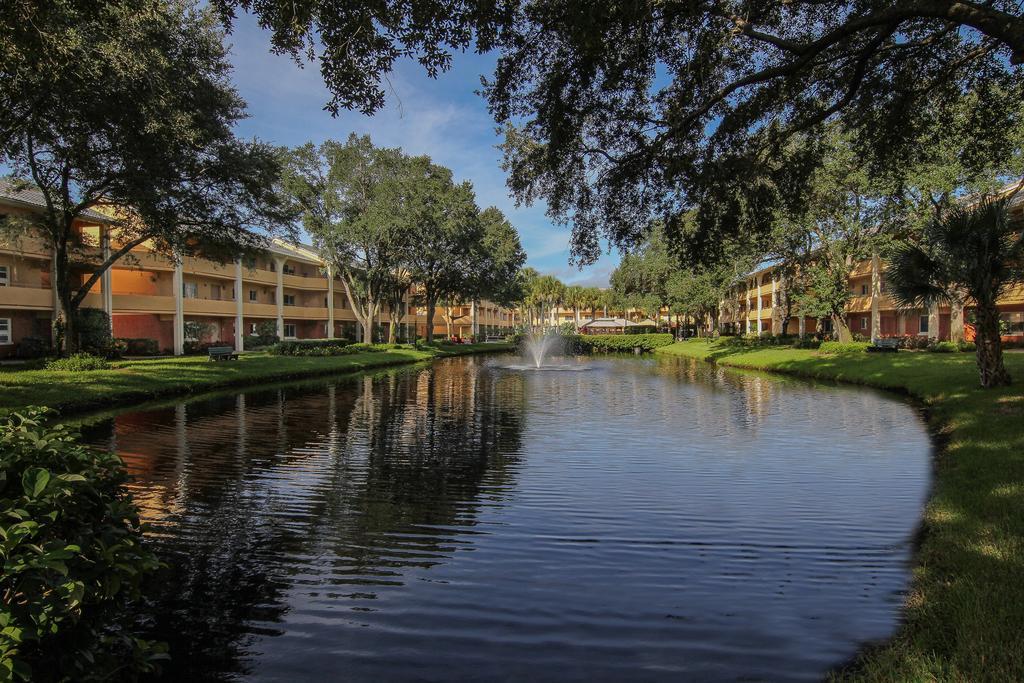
964,618
141,380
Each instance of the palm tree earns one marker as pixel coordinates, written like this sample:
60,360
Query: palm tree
970,252
576,298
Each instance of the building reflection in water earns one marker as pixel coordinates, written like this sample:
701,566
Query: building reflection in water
340,489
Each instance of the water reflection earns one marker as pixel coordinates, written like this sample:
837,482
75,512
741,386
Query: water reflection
647,519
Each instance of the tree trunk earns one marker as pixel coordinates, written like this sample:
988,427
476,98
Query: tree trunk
65,334
990,348
431,308
841,328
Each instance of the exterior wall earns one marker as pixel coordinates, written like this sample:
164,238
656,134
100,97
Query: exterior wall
23,324
145,326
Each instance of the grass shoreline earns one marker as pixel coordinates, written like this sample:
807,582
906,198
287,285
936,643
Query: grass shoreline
964,616
136,381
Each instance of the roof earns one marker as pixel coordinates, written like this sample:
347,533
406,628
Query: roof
32,197
616,322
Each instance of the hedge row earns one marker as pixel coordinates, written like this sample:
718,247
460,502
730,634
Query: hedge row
330,347
620,342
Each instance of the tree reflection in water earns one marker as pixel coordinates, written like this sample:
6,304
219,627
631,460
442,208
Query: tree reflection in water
337,489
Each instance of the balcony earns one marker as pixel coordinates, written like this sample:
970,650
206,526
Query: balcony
141,303
305,313
266,277
303,282
195,266
26,296
221,307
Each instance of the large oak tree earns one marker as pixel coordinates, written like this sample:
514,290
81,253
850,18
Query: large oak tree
147,129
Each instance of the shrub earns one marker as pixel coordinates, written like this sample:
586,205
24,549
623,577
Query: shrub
943,347
807,343
192,348
966,347
605,343
139,347
73,558
30,348
844,347
311,347
93,328
78,362
915,342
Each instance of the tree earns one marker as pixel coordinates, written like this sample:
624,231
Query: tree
496,262
635,111
446,231
354,203
548,292
164,158
575,298
643,276
357,42
969,253
842,222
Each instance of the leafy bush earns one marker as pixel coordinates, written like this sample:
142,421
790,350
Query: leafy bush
844,347
139,346
943,347
604,343
311,347
30,348
915,342
967,347
78,362
93,327
807,343
73,558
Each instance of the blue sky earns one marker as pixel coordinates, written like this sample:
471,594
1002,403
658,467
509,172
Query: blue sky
442,118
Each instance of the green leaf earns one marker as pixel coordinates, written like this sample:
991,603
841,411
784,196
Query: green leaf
34,481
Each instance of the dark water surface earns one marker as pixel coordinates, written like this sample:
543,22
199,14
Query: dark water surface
639,519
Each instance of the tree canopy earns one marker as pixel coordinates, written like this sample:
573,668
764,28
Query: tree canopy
144,124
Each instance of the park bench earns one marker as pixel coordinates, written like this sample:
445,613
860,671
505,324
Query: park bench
890,344
494,338
222,353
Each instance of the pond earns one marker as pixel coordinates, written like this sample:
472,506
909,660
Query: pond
617,519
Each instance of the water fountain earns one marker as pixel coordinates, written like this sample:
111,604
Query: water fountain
539,344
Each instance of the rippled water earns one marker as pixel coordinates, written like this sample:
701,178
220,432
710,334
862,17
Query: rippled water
643,520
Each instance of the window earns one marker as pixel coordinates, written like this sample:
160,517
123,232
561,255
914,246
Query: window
288,270
289,330
864,289
289,299
5,330
923,325
190,290
1013,322
252,295
863,323
215,292
5,278
252,328
826,325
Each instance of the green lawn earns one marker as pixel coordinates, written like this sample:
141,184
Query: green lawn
965,615
139,380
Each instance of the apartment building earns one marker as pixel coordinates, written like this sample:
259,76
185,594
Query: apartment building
150,296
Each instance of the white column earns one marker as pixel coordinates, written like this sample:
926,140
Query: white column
106,279
239,308
475,322
178,283
330,303
776,322
279,298
803,326
876,293
933,321
956,322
